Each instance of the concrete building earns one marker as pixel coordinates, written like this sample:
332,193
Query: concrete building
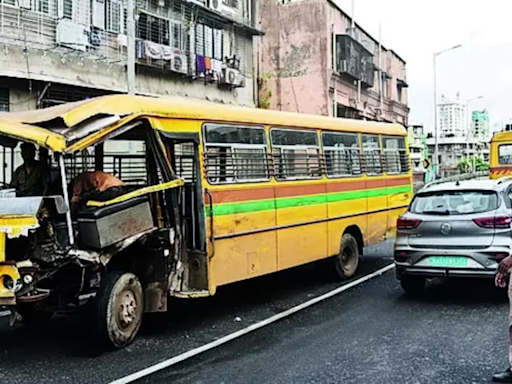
417,149
451,118
480,125
54,51
453,149
313,59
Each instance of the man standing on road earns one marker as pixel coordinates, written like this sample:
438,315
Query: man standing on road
501,281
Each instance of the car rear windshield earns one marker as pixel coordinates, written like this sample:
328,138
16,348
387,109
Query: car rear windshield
455,202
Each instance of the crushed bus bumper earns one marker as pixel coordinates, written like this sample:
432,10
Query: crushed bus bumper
9,278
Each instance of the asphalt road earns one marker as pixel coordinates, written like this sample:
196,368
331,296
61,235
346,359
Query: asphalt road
373,333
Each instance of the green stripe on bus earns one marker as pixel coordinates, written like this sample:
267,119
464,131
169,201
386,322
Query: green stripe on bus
302,201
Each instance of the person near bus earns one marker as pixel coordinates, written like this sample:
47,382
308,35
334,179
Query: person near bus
96,186
28,179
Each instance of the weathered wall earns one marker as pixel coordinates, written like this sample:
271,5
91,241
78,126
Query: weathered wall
73,69
293,56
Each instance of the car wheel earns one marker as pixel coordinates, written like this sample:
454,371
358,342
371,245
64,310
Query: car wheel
344,265
413,284
118,308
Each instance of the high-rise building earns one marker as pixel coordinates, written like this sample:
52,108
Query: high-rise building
480,125
451,117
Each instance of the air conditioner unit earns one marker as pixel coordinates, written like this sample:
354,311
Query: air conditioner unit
216,5
25,4
179,63
232,77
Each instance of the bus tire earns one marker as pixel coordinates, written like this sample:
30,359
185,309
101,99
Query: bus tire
344,265
117,309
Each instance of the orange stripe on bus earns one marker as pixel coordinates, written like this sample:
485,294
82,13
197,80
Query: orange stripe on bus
234,196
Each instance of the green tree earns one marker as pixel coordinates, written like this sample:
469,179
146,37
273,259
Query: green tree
472,164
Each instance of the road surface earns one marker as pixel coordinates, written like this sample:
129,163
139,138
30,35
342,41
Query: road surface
372,333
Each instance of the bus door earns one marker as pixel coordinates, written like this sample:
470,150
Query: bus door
183,153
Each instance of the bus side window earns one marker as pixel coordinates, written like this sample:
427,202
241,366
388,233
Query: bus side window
342,154
505,154
372,154
235,153
395,155
296,154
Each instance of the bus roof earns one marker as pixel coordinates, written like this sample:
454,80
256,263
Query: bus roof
76,120
502,136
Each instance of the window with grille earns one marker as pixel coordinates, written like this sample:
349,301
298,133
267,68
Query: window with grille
114,16
342,154
67,9
4,100
179,36
235,153
395,155
209,41
372,154
9,2
154,29
296,154
184,159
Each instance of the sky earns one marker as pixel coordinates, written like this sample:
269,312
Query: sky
416,29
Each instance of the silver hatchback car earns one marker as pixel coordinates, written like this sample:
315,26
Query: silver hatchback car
454,229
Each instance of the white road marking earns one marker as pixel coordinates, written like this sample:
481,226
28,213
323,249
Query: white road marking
196,351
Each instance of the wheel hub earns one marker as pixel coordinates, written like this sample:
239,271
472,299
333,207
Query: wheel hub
127,308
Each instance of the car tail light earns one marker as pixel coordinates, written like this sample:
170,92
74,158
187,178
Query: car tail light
498,222
407,223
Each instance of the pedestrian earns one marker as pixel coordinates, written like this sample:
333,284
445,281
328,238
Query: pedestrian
502,277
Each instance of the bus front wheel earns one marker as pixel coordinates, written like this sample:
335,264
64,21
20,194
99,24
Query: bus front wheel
118,309
344,265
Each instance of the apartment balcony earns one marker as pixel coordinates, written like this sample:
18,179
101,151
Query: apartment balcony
181,38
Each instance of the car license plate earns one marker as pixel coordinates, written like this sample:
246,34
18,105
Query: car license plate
447,261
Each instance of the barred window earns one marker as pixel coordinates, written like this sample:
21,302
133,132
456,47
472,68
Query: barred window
372,154
296,154
342,154
4,100
235,153
184,155
395,155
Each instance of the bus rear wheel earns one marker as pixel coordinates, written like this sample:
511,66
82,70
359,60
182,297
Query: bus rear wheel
344,265
118,308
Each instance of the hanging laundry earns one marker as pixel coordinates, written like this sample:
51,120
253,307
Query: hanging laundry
167,52
153,50
216,66
200,64
208,63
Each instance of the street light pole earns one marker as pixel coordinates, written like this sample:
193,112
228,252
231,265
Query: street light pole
436,134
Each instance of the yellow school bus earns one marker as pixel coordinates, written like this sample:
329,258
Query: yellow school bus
501,155
233,193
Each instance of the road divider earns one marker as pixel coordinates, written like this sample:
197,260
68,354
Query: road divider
235,335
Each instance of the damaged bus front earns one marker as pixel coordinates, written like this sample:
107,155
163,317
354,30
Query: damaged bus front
121,254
